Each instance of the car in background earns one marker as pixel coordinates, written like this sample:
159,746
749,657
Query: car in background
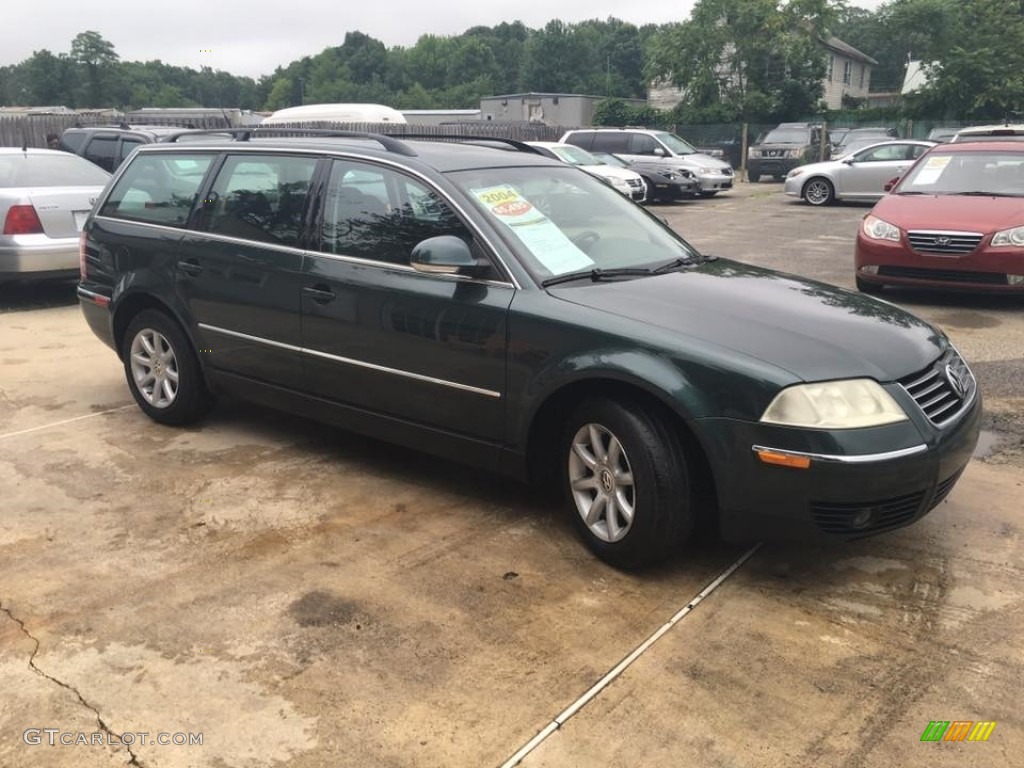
783,148
839,148
107,146
860,176
856,146
1005,132
955,220
630,183
664,185
45,196
941,134
661,147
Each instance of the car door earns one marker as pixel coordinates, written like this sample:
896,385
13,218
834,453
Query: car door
868,170
240,269
385,338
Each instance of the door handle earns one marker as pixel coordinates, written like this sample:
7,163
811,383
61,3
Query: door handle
319,293
191,267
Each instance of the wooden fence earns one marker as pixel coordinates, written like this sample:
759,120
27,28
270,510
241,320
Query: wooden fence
32,130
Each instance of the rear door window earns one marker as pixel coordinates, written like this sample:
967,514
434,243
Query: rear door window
153,190
612,143
261,198
102,150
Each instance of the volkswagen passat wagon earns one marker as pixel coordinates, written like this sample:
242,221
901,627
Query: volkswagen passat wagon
516,314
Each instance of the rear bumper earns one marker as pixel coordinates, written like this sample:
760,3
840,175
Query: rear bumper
891,489
38,255
96,311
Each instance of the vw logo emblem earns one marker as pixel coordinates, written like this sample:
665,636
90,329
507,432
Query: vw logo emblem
942,240
955,382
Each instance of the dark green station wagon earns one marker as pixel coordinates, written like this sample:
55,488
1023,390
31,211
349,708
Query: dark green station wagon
480,302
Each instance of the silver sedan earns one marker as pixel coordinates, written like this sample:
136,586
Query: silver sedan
858,176
45,196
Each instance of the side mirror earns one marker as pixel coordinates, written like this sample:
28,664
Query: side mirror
658,151
887,187
848,160
446,255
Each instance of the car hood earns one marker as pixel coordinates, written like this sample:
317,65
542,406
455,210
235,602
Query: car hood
813,330
828,166
951,212
698,160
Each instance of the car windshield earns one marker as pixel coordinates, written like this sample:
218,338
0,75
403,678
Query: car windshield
676,144
575,156
967,173
607,159
786,136
28,169
559,220
858,144
858,135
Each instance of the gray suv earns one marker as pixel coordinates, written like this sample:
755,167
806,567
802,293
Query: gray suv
785,147
661,147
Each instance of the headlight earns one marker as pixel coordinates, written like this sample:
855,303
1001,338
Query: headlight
715,171
755,153
617,182
1009,237
792,153
794,173
877,229
846,404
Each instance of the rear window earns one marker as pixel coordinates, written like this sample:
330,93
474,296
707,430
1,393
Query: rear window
27,169
155,190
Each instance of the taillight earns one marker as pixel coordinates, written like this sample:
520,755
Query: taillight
22,220
83,272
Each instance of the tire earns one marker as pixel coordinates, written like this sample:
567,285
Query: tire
819,191
155,351
872,289
660,495
708,193
753,176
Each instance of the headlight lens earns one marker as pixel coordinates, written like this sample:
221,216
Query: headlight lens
794,173
877,229
715,171
617,182
847,404
1009,237
792,153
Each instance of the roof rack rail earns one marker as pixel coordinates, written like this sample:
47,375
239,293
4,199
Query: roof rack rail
245,134
522,146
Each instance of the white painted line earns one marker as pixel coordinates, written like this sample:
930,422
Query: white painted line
621,667
65,421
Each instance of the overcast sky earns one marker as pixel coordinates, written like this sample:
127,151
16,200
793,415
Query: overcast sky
252,38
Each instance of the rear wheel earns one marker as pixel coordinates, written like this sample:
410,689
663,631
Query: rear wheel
627,483
708,192
819,191
162,370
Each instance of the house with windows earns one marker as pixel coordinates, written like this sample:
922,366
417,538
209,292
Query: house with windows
848,75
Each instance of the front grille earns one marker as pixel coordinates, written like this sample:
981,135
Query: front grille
946,275
635,182
838,517
942,388
944,243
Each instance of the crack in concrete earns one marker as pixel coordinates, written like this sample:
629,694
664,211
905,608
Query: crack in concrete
134,759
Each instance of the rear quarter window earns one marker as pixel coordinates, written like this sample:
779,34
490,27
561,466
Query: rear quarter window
584,139
153,189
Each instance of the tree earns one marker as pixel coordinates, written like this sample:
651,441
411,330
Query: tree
97,56
750,59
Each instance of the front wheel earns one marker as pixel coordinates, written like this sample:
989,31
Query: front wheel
162,370
627,483
708,192
819,191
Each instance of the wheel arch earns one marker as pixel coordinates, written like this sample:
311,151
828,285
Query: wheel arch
131,305
814,177
549,417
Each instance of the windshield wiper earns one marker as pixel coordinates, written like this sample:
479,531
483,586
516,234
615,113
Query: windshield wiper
913,192
597,274
680,262
980,193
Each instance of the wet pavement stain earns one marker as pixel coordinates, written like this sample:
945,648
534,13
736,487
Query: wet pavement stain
322,608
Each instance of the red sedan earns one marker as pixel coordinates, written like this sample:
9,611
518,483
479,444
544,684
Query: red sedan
955,220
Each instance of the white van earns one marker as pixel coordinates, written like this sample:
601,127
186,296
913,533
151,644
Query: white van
336,113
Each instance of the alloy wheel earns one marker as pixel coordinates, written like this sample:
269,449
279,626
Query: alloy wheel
602,482
154,368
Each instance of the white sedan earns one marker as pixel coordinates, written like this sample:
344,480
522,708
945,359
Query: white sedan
45,196
858,176
629,183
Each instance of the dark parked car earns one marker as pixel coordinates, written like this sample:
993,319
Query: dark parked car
108,146
784,148
664,185
510,312
954,220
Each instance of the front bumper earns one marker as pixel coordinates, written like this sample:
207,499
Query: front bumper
38,256
772,166
845,493
716,182
883,262
794,186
